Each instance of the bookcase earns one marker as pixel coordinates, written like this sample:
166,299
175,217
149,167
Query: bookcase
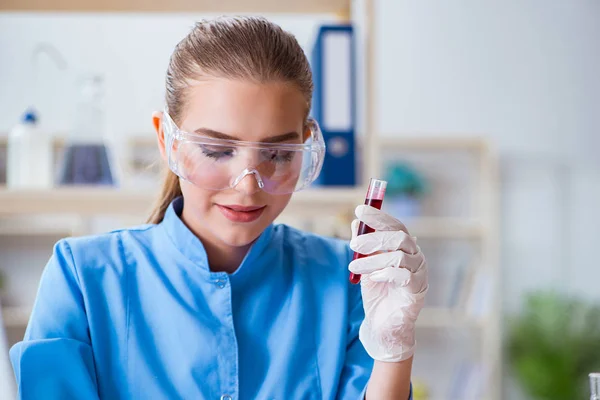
459,352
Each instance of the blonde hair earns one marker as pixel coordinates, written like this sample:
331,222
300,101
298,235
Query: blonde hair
242,48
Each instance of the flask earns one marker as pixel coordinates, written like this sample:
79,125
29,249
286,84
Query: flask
86,159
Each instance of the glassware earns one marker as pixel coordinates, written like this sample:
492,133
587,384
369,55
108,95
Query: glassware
595,385
374,198
86,160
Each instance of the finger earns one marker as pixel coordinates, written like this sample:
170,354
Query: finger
378,220
413,283
383,241
417,262
354,227
418,282
376,262
399,276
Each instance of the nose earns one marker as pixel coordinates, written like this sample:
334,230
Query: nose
249,184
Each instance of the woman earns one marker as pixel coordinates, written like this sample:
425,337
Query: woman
211,300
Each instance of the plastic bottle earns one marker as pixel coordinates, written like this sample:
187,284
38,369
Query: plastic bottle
29,155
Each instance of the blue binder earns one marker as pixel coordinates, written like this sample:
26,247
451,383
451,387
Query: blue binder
333,67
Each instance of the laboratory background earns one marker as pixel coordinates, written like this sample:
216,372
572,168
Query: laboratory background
482,116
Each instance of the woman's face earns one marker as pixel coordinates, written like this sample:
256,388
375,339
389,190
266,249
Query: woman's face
254,112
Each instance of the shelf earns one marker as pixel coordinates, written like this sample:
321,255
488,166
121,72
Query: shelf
82,201
108,201
88,201
330,196
39,226
21,230
16,317
446,318
441,228
197,6
432,143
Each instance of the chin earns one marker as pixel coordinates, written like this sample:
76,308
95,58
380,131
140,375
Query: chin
240,236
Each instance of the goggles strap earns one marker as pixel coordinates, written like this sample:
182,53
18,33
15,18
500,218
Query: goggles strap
249,171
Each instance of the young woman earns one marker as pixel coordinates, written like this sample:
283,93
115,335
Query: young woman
211,300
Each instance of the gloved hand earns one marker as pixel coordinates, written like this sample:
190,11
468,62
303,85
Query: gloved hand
393,284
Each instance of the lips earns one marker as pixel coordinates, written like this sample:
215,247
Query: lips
242,208
238,213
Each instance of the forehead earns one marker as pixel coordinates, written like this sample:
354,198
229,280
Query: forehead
249,111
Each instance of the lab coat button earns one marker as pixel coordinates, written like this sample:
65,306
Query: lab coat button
226,397
221,284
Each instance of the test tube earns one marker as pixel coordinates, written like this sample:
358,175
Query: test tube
374,198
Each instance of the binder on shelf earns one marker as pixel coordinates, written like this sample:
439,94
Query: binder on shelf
334,98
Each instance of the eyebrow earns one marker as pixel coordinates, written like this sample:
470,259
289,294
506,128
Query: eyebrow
273,139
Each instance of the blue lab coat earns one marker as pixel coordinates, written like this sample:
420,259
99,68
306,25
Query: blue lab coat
138,314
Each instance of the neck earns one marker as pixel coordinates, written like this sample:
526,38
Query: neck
221,257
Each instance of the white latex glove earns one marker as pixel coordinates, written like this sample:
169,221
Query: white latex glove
393,284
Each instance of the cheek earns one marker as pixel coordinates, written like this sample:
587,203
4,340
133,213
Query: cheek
278,203
197,199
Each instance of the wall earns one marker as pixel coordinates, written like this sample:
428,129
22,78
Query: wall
522,72
525,75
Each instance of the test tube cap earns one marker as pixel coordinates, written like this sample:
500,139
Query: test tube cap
376,189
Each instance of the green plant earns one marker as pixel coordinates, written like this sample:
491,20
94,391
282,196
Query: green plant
403,179
553,345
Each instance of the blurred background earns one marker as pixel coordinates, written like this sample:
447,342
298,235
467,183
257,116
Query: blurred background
483,116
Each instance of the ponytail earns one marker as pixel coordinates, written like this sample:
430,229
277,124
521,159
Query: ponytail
169,192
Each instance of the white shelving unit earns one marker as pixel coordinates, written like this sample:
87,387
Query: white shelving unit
478,313
76,206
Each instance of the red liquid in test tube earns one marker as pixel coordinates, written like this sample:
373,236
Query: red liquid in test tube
374,198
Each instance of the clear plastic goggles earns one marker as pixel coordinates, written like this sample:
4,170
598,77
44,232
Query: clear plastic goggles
218,164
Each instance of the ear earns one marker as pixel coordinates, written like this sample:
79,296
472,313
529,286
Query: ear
307,133
157,117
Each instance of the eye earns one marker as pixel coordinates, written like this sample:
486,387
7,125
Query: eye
279,156
216,152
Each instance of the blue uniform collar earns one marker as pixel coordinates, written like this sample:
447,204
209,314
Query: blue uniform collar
192,248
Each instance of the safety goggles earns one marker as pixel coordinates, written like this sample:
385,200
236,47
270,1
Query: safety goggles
218,164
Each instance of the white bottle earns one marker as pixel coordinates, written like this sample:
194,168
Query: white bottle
29,156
